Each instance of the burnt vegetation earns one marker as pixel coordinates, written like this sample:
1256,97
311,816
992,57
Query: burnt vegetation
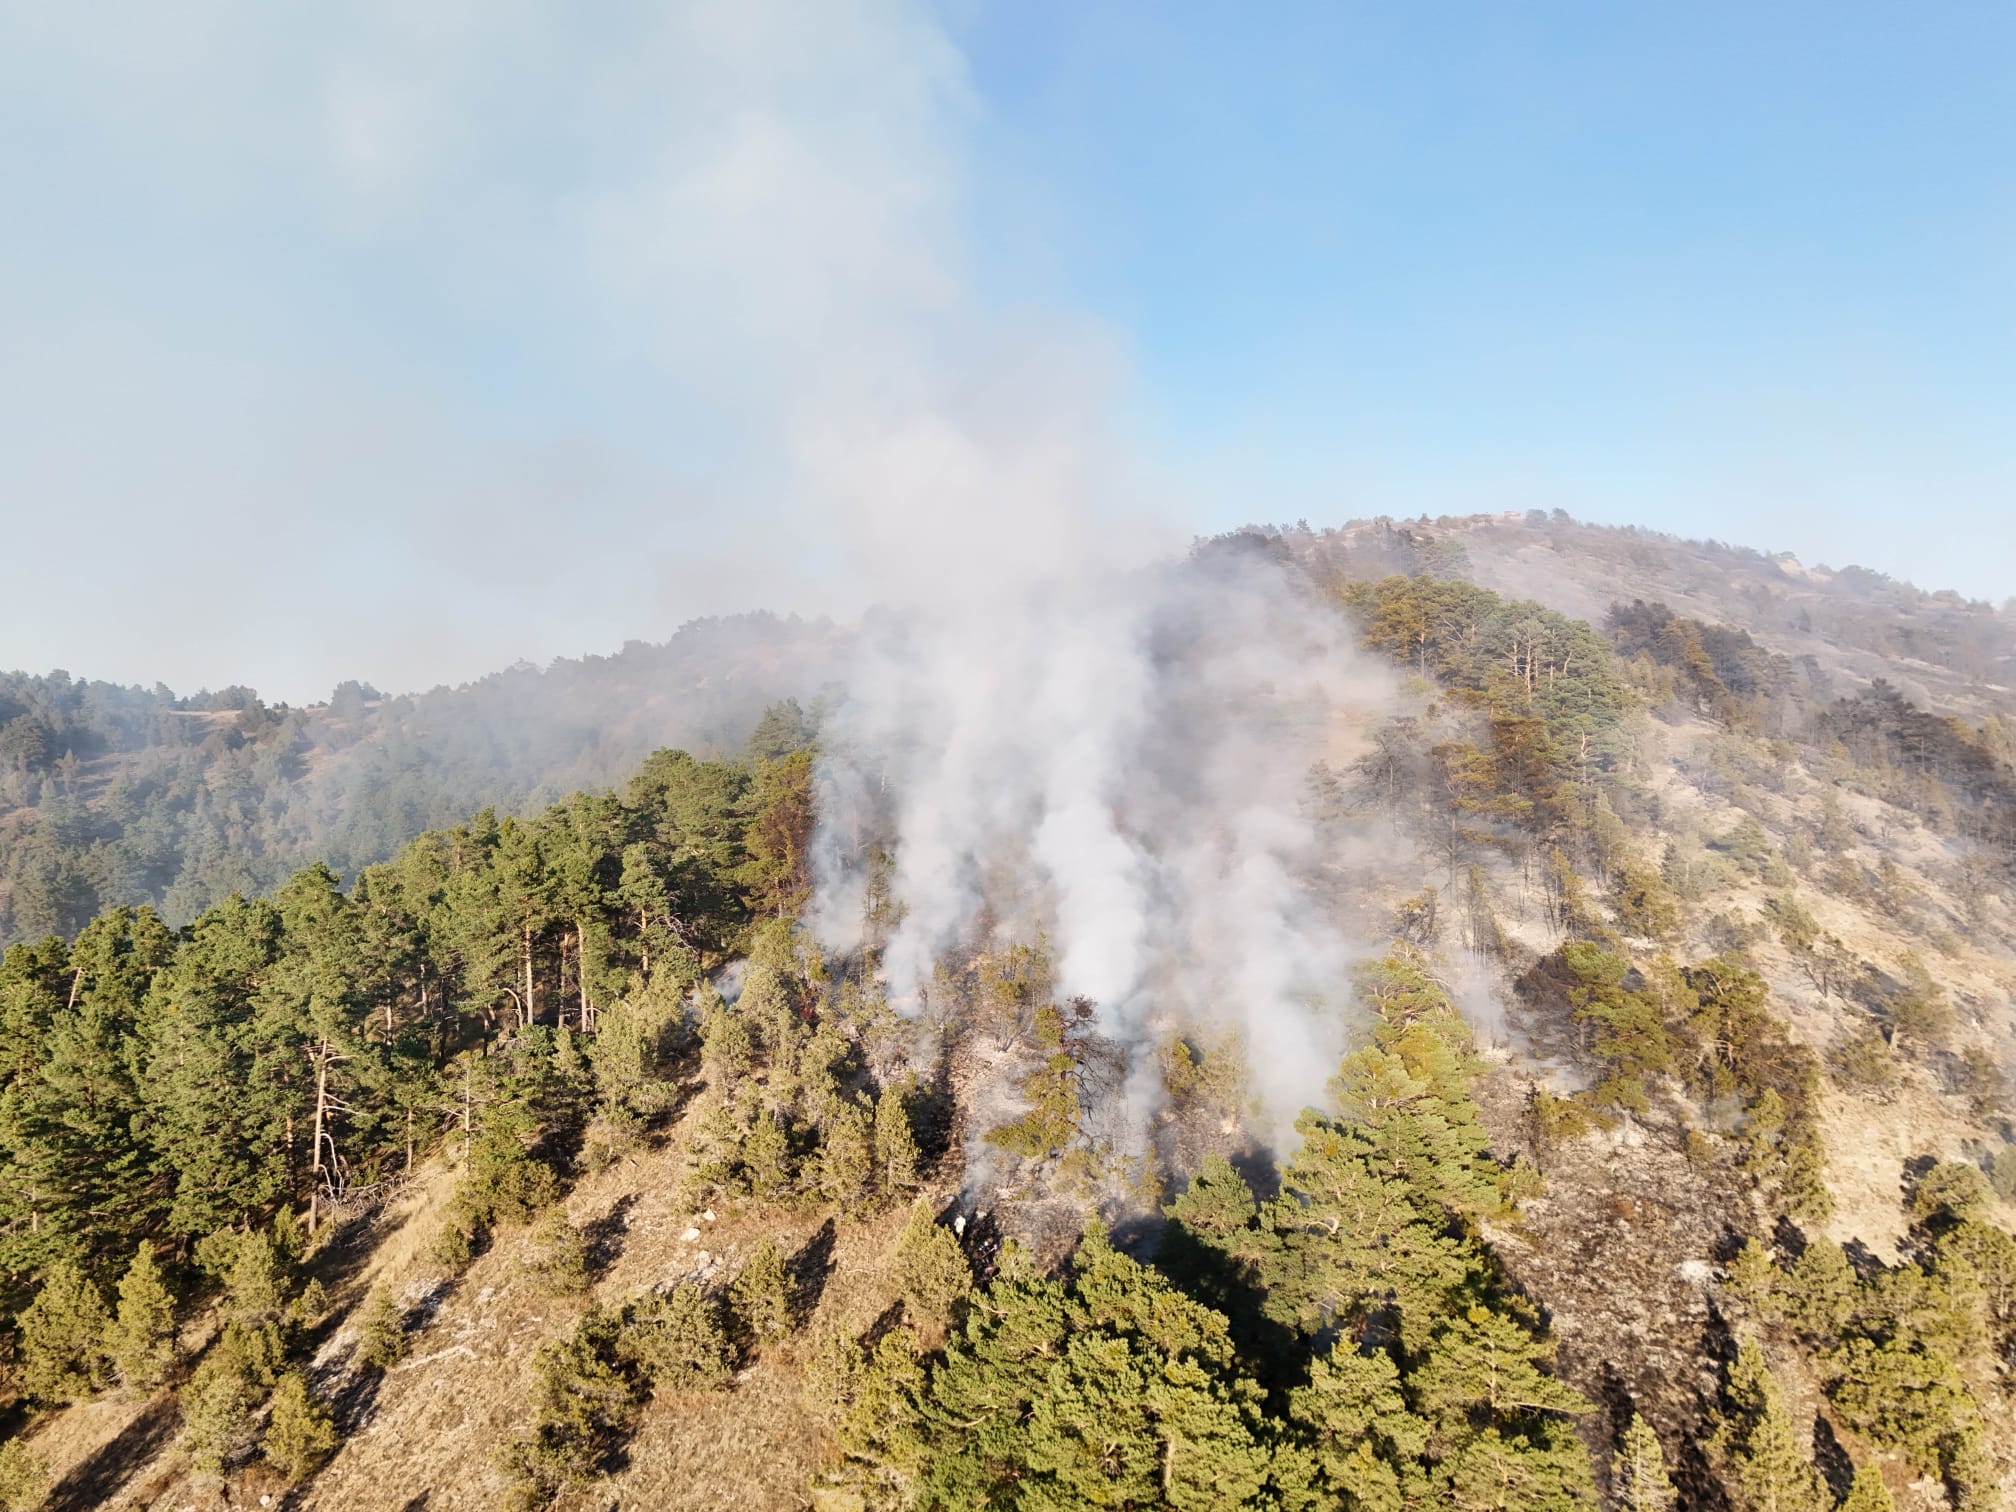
1668,931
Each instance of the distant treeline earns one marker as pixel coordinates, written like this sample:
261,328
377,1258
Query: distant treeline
115,795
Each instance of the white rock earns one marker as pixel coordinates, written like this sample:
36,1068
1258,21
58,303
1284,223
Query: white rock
689,1236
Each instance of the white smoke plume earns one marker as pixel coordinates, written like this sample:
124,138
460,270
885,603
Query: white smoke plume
1119,759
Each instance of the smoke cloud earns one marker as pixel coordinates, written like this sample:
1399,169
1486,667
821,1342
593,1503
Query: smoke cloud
1118,760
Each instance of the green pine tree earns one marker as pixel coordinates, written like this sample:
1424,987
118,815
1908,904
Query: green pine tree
676,1339
381,1332
142,1340
762,1295
62,1337
847,1157
931,1273
300,1432
896,1154
220,1403
1768,1469
1868,1493
1640,1470
24,1479
766,1156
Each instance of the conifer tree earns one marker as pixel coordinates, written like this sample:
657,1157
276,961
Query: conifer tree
1768,1469
584,1404
62,1337
381,1332
896,1153
142,1340
1753,1280
931,1273
727,1049
1642,1482
1051,1090
875,1396
1820,1291
762,1294
766,1156
24,1479
219,1403
847,1157
1111,1390
1867,1493
1367,1442
300,1432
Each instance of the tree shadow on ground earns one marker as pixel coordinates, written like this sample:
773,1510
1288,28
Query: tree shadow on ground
605,1235
98,1479
809,1269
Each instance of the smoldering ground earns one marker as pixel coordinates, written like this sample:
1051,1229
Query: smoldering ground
1117,761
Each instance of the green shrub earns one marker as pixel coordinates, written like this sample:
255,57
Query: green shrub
558,1259
676,1339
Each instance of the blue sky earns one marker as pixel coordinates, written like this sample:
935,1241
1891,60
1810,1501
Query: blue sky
1747,271
401,340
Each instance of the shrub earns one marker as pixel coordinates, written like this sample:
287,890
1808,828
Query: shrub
558,1261
676,1338
1862,1063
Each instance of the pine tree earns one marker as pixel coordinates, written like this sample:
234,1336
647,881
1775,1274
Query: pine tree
1111,1390
896,1153
766,1156
728,1050
1821,1290
1768,1469
218,1406
1753,1280
381,1332
847,1157
142,1340
62,1337
1367,1442
1867,1493
762,1294
1055,1110
300,1433
1642,1482
585,1403
24,1479
931,1273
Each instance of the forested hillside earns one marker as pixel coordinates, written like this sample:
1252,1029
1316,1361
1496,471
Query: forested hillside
113,795
550,1158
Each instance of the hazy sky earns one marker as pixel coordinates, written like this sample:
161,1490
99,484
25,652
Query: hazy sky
401,340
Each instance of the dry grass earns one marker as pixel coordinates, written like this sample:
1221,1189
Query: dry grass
438,1418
